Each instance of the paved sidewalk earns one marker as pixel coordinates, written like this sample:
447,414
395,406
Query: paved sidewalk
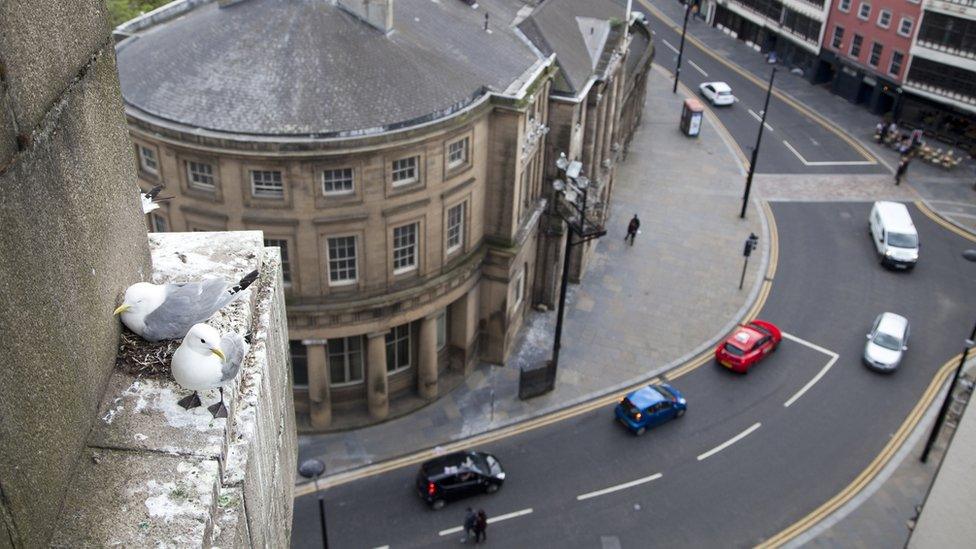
640,309
951,193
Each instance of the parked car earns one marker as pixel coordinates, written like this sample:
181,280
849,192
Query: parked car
894,235
717,93
458,475
887,342
747,345
650,406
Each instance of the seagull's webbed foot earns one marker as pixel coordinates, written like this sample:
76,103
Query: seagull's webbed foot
218,410
189,402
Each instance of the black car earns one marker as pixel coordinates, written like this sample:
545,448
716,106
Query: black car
458,475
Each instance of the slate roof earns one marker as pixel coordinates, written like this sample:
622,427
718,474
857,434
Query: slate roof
305,67
580,33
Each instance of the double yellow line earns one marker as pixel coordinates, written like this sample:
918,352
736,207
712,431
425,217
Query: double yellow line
816,117
566,413
873,469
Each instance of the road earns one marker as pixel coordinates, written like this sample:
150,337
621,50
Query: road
793,142
740,465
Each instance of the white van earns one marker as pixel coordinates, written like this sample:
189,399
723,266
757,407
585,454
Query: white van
894,234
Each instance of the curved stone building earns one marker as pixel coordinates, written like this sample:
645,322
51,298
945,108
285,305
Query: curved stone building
396,154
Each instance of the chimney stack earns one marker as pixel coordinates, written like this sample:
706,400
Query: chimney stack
376,13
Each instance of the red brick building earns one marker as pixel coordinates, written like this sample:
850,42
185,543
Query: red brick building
865,50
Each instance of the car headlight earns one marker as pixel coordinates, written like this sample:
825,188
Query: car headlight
682,401
888,253
500,476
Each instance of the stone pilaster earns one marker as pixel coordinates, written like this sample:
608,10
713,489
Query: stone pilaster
464,327
320,402
377,395
427,369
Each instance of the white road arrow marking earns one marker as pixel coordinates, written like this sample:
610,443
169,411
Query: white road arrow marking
831,163
833,358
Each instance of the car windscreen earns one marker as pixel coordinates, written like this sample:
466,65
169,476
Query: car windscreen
733,350
480,464
887,341
902,240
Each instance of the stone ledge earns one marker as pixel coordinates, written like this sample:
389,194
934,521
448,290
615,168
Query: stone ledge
158,474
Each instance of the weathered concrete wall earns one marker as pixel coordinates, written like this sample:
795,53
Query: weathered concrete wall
156,474
71,239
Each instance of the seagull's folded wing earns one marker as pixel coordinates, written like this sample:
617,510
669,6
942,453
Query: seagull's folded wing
185,305
234,348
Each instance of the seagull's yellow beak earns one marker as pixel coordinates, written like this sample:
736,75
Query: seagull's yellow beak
122,308
218,352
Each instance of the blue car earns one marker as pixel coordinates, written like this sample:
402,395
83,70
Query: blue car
650,406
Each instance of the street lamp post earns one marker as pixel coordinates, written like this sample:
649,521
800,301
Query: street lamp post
573,190
681,48
755,151
313,468
940,419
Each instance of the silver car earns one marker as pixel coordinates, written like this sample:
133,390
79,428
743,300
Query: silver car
887,342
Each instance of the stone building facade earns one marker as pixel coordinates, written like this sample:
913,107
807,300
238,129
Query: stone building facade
404,175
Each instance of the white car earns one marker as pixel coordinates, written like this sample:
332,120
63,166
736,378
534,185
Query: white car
717,93
887,342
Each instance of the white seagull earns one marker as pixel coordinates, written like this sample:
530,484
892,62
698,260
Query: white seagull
205,360
168,311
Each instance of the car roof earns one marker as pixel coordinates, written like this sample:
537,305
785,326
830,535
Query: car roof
892,323
895,216
645,396
744,337
719,86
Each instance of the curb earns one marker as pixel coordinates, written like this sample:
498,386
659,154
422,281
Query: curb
931,211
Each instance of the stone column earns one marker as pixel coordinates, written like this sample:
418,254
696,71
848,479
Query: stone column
464,327
376,387
319,401
427,369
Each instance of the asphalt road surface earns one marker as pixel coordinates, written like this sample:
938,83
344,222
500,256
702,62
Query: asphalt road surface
792,143
740,465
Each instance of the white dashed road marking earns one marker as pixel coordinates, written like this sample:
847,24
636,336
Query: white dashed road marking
833,358
623,486
492,520
699,69
759,119
729,442
668,44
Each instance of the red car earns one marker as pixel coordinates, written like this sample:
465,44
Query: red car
747,345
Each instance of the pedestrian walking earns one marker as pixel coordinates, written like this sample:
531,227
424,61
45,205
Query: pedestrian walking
632,228
481,527
900,172
470,521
